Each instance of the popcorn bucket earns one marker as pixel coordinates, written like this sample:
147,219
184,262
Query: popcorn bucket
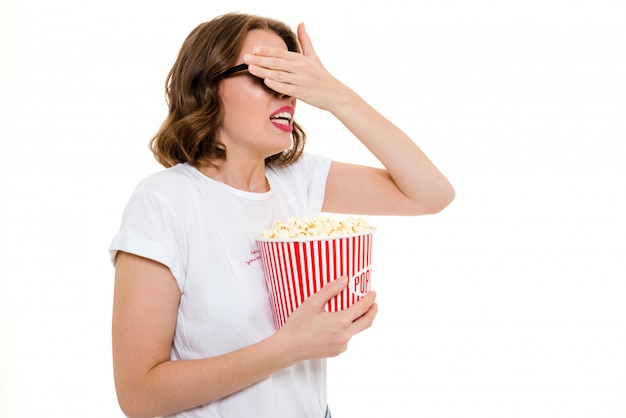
296,268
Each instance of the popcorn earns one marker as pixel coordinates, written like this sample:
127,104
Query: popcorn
322,226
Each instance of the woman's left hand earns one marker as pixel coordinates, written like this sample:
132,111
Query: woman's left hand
297,75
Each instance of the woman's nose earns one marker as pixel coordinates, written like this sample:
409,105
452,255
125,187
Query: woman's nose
283,96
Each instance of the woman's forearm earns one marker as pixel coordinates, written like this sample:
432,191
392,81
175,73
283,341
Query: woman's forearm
173,386
411,170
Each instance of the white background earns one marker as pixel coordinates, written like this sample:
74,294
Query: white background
509,303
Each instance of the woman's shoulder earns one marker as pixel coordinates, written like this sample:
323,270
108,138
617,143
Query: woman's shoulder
168,184
171,177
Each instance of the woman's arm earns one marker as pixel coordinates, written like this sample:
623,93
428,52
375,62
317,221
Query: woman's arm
409,184
145,307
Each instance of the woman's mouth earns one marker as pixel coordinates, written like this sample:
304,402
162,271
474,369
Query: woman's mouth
283,119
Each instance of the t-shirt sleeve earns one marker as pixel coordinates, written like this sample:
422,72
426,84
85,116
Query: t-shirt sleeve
149,229
303,183
317,167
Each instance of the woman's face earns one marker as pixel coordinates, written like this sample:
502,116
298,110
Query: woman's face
249,128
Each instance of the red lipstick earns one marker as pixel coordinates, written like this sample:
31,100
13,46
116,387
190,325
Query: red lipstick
282,118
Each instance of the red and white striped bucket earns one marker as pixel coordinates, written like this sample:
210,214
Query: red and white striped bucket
296,268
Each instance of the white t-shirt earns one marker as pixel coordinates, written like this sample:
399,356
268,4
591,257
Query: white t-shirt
205,232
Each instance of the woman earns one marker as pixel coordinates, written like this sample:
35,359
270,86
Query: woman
192,328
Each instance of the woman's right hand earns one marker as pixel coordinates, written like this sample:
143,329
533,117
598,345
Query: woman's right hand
312,332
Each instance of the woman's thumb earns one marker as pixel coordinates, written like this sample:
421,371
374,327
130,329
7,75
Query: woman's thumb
305,42
330,290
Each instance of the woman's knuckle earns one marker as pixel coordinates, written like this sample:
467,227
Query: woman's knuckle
274,63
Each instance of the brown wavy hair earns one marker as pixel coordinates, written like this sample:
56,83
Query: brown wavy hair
190,130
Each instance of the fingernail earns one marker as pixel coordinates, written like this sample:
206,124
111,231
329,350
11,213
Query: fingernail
343,280
246,58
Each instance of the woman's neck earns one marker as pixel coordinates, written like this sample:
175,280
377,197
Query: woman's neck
243,177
